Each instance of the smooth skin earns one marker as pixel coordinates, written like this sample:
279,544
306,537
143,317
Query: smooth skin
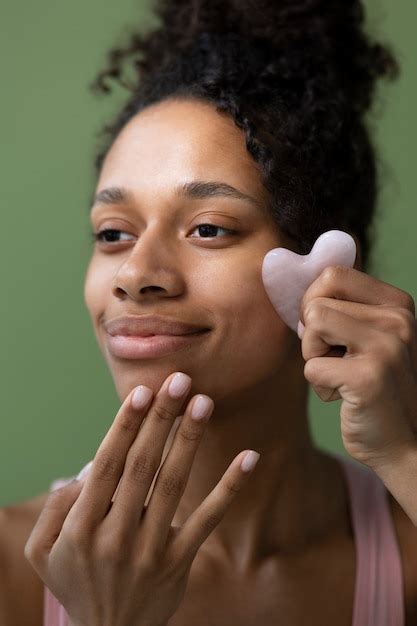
250,363
132,562
285,541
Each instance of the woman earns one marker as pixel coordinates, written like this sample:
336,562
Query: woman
244,132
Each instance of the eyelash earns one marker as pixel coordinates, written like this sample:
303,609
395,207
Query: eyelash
100,234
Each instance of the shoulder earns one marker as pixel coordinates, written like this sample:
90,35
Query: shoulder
406,534
16,573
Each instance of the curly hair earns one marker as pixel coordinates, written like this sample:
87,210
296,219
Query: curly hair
297,76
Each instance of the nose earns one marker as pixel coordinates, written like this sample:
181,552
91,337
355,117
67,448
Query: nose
150,267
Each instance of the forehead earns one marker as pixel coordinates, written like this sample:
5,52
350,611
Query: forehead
176,141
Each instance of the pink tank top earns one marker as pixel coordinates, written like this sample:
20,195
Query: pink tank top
379,584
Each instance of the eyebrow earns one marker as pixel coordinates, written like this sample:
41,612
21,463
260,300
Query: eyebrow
197,190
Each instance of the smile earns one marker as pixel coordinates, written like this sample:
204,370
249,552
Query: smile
153,346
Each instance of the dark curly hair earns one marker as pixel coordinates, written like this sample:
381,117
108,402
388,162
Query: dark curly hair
297,76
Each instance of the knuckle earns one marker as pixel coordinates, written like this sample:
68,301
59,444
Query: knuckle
333,273
31,551
128,423
173,568
141,467
182,557
106,466
57,497
408,302
394,351
399,322
164,413
145,562
315,314
232,485
76,537
408,327
408,316
112,550
310,370
408,334
189,433
172,485
210,521
36,557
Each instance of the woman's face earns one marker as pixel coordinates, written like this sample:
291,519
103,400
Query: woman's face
162,263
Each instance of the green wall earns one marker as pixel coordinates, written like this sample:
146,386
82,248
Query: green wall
58,398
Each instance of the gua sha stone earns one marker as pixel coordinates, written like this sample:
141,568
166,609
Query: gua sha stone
287,275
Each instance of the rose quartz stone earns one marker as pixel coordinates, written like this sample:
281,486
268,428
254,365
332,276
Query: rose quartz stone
287,275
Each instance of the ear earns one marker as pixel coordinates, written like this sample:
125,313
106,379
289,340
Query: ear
358,260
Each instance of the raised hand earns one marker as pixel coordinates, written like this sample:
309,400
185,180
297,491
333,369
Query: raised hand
121,562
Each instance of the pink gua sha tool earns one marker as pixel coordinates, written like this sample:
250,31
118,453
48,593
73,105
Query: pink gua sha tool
287,275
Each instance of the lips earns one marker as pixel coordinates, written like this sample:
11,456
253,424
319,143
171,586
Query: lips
151,347
147,325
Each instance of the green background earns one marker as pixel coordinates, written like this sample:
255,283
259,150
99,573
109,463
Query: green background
58,398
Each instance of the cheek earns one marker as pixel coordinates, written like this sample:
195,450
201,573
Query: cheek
250,330
95,289
256,327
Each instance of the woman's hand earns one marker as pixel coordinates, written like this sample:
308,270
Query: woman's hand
373,325
121,563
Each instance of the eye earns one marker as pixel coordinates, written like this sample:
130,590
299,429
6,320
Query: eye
208,227
103,233
108,235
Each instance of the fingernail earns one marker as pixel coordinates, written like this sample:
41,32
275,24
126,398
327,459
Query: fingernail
249,461
179,385
202,406
141,397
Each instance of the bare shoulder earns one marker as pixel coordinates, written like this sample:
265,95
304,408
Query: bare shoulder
406,534
16,573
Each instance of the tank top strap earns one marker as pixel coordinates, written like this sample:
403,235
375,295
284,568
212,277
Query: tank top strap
379,577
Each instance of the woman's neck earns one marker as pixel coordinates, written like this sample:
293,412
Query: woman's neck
294,496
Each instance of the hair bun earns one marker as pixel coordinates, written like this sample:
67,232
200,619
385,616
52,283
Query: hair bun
302,40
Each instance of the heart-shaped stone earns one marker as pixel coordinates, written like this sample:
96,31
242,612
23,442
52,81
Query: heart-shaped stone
287,275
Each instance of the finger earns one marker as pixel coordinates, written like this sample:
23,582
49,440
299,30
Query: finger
49,524
107,466
326,327
394,320
386,317
174,473
348,283
144,456
327,375
213,508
